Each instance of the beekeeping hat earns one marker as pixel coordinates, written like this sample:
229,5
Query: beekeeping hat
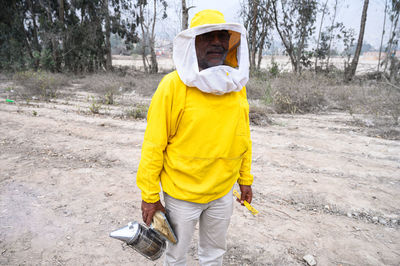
231,76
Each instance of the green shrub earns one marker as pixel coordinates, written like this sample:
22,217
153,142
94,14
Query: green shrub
138,112
109,97
274,69
94,106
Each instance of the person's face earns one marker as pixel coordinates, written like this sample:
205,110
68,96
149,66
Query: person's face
212,48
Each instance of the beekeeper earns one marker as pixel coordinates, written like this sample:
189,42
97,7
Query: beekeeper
197,140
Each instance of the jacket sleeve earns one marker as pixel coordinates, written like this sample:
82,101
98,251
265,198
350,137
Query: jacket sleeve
162,120
246,178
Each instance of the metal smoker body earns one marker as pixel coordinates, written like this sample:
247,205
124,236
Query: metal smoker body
144,240
149,242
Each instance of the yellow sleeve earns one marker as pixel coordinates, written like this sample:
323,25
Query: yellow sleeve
162,121
246,178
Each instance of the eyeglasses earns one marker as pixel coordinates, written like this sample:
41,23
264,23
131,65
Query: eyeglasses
222,36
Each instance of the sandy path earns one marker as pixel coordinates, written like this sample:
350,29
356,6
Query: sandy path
68,178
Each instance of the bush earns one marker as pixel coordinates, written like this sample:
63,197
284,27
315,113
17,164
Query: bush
138,112
288,93
373,104
44,58
298,94
274,69
107,85
259,86
95,106
380,100
111,84
40,84
149,83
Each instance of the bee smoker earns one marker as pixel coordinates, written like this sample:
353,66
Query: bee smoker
144,240
149,242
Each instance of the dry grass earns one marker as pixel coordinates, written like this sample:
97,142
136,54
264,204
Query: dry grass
377,99
147,83
107,85
39,85
110,84
289,93
373,104
139,111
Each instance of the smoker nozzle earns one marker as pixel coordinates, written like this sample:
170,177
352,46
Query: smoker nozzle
126,234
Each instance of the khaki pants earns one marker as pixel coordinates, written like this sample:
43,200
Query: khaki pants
214,218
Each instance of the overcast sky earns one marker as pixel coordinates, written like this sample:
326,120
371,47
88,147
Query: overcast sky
349,13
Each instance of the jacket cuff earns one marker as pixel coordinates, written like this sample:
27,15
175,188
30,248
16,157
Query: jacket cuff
150,198
245,182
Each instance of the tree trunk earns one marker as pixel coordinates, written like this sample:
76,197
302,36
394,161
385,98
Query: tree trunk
264,32
108,32
383,33
319,34
153,56
331,35
300,48
143,39
261,48
54,43
61,11
351,70
394,65
390,54
254,25
286,39
185,15
36,46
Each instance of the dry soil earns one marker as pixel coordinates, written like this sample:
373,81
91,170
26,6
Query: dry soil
322,187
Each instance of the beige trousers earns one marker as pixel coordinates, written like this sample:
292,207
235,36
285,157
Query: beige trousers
213,218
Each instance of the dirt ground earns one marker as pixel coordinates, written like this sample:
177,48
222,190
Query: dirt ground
322,187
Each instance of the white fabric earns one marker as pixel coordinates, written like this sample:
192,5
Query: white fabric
214,220
218,79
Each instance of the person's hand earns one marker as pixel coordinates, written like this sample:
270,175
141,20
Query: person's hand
246,194
149,209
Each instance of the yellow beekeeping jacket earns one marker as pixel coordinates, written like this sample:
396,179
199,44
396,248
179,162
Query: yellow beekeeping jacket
196,144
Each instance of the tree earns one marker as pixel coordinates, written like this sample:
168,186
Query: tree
18,35
324,9
185,16
107,27
383,34
253,31
331,33
350,71
256,15
62,35
322,48
347,36
294,20
393,40
147,21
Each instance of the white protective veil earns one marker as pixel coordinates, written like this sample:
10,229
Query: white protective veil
232,76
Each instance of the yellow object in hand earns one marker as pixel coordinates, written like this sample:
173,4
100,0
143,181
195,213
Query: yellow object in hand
248,206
